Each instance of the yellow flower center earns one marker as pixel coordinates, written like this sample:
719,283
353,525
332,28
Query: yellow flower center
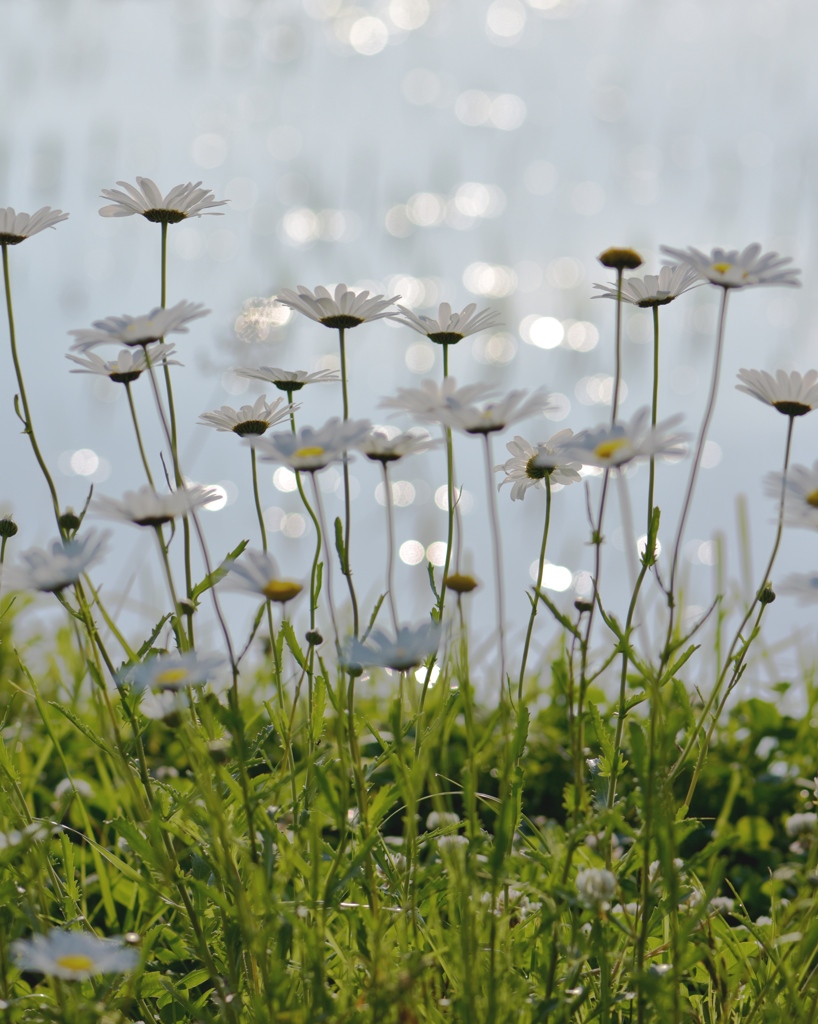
812,499
722,268
75,962
308,453
281,590
607,449
172,677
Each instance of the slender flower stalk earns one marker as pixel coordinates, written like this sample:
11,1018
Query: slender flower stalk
138,434
347,569
390,548
498,565
536,601
617,348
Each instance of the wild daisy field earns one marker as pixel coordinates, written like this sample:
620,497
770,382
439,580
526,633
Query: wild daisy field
323,811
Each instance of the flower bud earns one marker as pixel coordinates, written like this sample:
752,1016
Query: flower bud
767,595
314,638
620,259
461,583
8,528
70,521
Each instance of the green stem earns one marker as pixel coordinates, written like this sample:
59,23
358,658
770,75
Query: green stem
181,638
498,565
390,551
654,409
309,509
536,602
347,571
257,499
618,348
138,433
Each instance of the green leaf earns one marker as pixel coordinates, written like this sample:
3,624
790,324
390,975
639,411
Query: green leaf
218,573
372,617
339,545
754,832
88,733
289,635
157,629
430,569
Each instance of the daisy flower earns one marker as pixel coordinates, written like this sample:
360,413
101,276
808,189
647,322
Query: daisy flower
147,508
455,407
181,202
73,956
410,648
249,419
654,289
343,310
63,562
173,671
449,328
139,330
381,447
734,269
17,227
530,465
803,585
426,401
257,574
163,703
128,365
800,494
610,447
790,393
309,449
288,380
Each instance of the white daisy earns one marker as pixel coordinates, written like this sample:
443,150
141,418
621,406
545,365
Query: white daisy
734,269
173,671
139,330
596,886
343,310
17,227
410,648
147,508
288,380
803,585
800,494
790,393
309,449
249,419
163,703
257,573
128,365
61,564
449,328
181,202
609,447
530,465
654,289
73,956
380,447
425,402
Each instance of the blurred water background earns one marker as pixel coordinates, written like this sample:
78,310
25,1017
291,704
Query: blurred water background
458,150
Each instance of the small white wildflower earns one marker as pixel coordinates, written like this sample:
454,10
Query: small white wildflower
181,202
73,786
801,824
17,227
441,819
596,886
73,956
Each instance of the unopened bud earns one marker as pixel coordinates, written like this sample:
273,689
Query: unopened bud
8,528
583,606
460,583
620,259
314,638
767,595
70,521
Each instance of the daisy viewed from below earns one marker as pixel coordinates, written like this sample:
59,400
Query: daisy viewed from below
308,449
383,446
173,671
530,465
288,380
803,585
730,268
73,956
62,563
249,419
790,393
456,407
139,330
654,289
257,573
128,365
800,486
181,202
341,310
449,327
147,508
410,648
17,227
609,447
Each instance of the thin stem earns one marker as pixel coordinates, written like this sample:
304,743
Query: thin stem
180,632
257,499
618,349
654,410
536,602
322,531
347,512
390,552
28,426
449,498
317,556
498,565
138,433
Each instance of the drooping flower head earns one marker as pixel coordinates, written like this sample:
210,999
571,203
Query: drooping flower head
73,956
147,508
309,449
730,268
530,465
288,380
410,648
449,327
342,310
139,330
384,447
17,227
128,365
800,494
54,568
789,393
653,289
181,202
612,446
249,419
257,573
173,671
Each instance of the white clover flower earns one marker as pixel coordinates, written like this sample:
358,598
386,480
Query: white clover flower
410,648
734,269
173,671
147,508
449,327
610,447
128,365
181,202
655,869
789,393
73,956
342,310
531,465
309,449
803,585
800,494
379,447
441,819
801,824
139,330
452,844
249,419
17,227
653,289
629,909
257,573
288,380
62,563
596,886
